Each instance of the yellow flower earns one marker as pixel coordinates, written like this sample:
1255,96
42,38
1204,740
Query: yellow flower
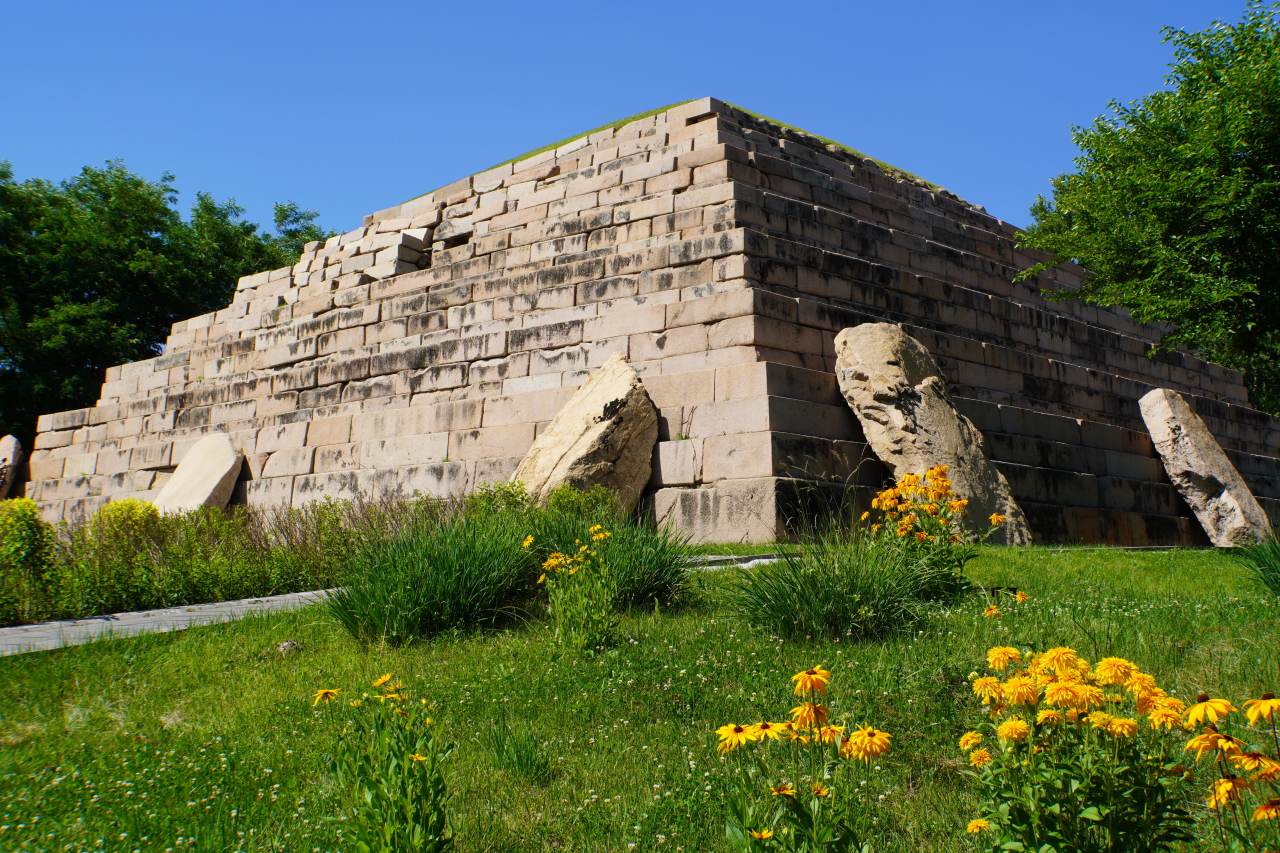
762,834
810,715
969,740
1270,810
957,506
528,540
1061,693
830,734
784,790
1021,690
1060,659
1014,729
1000,657
1262,709
731,737
355,703
1211,739
979,758
988,689
414,756
542,577
1252,761
325,695
813,680
819,790
765,730
1227,790
921,536
978,825
865,516
1208,710
997,519
991,611
1048,718
1122,727
1163,718
1021,597
1115,671
383,680
865,744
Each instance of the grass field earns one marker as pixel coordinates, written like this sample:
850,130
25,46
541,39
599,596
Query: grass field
207,739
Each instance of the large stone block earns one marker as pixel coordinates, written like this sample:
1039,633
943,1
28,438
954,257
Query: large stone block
604,436
205,477
1202,473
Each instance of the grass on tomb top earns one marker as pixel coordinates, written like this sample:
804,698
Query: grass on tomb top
887,167
211,735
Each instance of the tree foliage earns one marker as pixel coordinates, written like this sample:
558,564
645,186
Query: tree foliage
1174,207
95,270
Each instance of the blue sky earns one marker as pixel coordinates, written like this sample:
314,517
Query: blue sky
352,107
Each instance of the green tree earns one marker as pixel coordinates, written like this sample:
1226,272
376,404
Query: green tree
95,270
1174,207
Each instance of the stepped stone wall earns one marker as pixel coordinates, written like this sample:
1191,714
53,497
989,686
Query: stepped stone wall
720,254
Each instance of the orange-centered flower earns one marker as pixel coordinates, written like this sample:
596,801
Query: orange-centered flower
1207,710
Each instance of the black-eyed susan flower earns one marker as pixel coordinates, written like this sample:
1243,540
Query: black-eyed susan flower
1227,790
732,736
760,731
1262,709
528,540
979,758
866,743
1014,730
1115,671
1207,710
969,740
820,790
978,825
810,715
991,611
1021,597
413,756
811,681
382,680
762,834
830,734
997,519
1212,740
324,695
1000,657
786,789
1252,761
1270,810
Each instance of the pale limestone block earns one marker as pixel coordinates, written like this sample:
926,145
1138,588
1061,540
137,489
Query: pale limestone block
738,303
557,361
337,457
651,318
526,384
676,463
288,463
678,341
604,435
110,461
334,430
80,465
281,437
444,480
276,493
405,450
487,442
568,314
762,379
500,369
1202,473
765,332
50,468
681,389
205,477
531,407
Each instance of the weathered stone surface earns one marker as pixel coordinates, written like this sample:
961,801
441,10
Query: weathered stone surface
897,391
10,461
604,435
205,477
1202,473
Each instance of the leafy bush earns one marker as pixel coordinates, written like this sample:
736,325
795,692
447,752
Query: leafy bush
1069,765
391,762
455,575
26,561
842,585
1263,561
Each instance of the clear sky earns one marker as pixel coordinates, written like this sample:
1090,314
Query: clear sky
348,108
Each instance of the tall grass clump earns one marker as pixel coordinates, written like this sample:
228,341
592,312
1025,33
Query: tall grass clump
459,575
842,585
1263,562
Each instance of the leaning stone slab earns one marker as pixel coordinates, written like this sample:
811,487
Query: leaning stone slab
604,435
898,393
1201,472
205,477
10,462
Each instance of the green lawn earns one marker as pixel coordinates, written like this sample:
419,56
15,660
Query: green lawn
209,735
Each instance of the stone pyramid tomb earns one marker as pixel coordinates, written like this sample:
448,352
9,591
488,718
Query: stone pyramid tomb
720,253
